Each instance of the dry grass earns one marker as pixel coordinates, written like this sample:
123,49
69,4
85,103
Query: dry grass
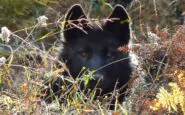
161,70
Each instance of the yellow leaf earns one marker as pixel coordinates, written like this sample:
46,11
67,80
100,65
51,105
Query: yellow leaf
170,99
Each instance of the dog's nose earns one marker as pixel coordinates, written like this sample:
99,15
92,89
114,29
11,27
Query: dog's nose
95,62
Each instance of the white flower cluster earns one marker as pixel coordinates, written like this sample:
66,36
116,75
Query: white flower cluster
42,21
153,38
2,60
5,34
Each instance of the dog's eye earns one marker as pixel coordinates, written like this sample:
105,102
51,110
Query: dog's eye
108,53
83,53
111,55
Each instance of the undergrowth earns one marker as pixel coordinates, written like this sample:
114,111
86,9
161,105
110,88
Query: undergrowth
29,64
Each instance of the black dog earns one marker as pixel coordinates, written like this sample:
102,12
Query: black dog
98,48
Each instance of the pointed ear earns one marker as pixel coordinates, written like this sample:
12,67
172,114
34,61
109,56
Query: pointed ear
75,19
119,24
75,12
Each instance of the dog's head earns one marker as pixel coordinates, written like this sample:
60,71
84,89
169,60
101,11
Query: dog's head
97,47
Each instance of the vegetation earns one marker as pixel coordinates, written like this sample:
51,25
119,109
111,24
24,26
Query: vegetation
28,51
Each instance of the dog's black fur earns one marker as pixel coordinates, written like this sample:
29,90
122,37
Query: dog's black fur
96,48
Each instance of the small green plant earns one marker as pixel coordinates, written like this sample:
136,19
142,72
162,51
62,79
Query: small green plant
88,77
